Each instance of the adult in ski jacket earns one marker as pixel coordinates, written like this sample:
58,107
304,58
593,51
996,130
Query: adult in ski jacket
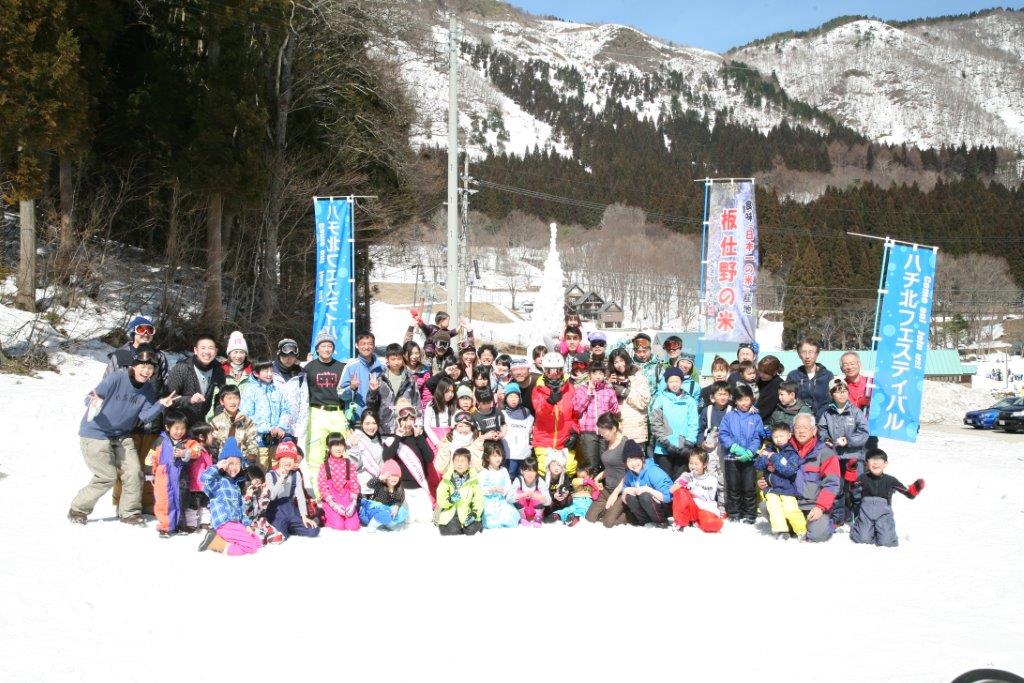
812,377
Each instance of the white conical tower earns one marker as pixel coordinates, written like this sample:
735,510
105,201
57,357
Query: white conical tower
549,307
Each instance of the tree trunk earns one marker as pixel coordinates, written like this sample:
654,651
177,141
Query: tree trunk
277,180
213,304
171,255
65,234
25,298
362,278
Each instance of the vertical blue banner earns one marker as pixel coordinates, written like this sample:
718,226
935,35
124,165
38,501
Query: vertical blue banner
333,300
903,327
732,262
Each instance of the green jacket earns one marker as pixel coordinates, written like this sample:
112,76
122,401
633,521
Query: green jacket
470,499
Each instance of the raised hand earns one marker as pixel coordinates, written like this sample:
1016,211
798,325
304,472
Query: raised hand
168,400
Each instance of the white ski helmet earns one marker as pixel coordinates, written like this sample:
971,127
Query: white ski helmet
553,359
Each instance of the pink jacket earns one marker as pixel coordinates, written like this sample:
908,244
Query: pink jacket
200,460
339,487
590,407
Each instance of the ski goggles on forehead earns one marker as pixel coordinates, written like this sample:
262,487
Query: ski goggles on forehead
644,346
672,346
289,350
441,344
145,329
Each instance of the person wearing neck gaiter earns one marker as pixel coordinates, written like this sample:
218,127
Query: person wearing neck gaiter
195,378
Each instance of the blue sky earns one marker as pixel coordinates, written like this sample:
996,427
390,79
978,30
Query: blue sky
721,24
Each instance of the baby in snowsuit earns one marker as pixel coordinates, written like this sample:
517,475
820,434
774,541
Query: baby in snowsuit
875,523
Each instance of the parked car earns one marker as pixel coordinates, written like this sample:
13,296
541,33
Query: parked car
1011,418
986,419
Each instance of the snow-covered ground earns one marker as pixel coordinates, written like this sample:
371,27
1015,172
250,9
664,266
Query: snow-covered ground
105,601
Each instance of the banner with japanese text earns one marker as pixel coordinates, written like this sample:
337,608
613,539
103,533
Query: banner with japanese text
333,302
730,276
903,326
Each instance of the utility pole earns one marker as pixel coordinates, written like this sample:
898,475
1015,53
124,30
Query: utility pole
464,234
453,280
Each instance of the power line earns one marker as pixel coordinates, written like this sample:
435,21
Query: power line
668,218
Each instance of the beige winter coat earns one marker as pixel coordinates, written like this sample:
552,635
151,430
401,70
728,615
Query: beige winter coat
634,408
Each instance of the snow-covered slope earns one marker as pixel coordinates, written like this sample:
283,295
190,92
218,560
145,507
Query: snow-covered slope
595,51
927,84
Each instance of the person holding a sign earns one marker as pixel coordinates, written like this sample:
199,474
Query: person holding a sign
812,377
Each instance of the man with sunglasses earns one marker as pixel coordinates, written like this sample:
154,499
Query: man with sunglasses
140,332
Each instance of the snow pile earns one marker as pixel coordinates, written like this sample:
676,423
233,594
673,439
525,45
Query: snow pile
549,308
946,403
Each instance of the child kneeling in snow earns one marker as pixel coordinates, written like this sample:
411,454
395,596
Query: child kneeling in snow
645,490
339,486
384,507
257,498
584,492
530,492
694,496
460,500
780,462
230,533
499,512
287,509
875,523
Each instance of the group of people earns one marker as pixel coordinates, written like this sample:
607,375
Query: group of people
467,438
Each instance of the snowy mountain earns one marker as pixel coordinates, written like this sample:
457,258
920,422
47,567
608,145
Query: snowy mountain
594,54
925,83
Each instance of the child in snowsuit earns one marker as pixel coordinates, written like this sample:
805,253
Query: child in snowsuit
339,486
531,493
256,498
197,514
585,490
460,500
169,462
499,512
740,434
230,532
845,428
875,523
779,462
694,496
287,509
384,507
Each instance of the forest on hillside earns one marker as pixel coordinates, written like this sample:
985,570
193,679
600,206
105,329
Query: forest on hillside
198,131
